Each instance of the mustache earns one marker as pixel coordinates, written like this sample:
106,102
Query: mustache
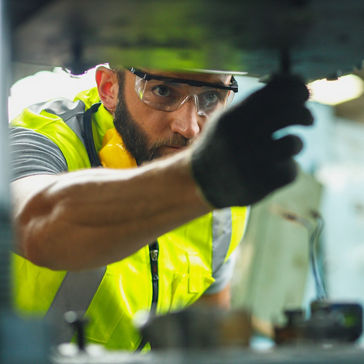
176,140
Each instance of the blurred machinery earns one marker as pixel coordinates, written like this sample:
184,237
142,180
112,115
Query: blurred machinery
322,36
317,39
327,321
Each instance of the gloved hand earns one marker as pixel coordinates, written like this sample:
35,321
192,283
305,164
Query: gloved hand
236,161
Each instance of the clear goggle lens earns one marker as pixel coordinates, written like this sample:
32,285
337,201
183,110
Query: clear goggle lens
169,96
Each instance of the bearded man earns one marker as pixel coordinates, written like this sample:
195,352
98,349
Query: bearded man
154,229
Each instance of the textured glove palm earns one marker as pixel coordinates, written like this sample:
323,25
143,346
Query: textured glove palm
237,161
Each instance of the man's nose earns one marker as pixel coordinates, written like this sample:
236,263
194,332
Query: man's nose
186,120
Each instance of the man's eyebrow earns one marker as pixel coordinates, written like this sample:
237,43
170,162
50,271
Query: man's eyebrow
198,83
185,79
190,81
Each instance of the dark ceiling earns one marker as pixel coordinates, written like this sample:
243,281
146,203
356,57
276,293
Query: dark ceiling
317,38
21,10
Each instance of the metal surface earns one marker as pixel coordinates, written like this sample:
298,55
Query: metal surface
323,36
5,226
300,355
21,341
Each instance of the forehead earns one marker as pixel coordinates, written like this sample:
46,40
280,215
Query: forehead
222,79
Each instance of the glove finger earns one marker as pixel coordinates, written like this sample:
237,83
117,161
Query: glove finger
273,176
288,116
292,87
272,152
265,150
285,147
282,173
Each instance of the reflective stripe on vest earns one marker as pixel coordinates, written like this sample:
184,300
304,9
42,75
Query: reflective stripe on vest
70,297
221,236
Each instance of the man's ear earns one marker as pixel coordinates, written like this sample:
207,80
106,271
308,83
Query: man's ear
108,87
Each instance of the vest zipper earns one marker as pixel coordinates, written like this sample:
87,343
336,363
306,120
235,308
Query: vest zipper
153,257
154,247
153,254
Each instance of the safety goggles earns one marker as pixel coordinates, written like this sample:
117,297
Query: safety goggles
169,94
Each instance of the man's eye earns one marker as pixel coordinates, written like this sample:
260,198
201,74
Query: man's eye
162,90
210,98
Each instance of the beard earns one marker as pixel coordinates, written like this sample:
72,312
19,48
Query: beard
135,139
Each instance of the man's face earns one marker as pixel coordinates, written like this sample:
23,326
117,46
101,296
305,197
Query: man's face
149,133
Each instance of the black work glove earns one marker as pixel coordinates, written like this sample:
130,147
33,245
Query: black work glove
236,161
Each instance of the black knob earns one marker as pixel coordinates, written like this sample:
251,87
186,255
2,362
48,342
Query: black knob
77,322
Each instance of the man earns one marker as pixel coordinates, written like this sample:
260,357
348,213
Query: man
155,226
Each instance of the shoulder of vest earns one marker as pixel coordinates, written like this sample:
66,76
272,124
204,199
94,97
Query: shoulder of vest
70,112
88,97
63,108
61,121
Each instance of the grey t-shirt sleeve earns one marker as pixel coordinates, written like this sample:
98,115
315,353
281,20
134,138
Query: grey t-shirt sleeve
223,275
32,153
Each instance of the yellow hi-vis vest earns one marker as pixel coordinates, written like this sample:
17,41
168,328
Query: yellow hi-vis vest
110,296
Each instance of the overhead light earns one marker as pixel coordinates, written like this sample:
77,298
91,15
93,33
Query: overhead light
335,92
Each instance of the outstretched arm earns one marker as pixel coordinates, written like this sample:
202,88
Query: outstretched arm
89,218
84,219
